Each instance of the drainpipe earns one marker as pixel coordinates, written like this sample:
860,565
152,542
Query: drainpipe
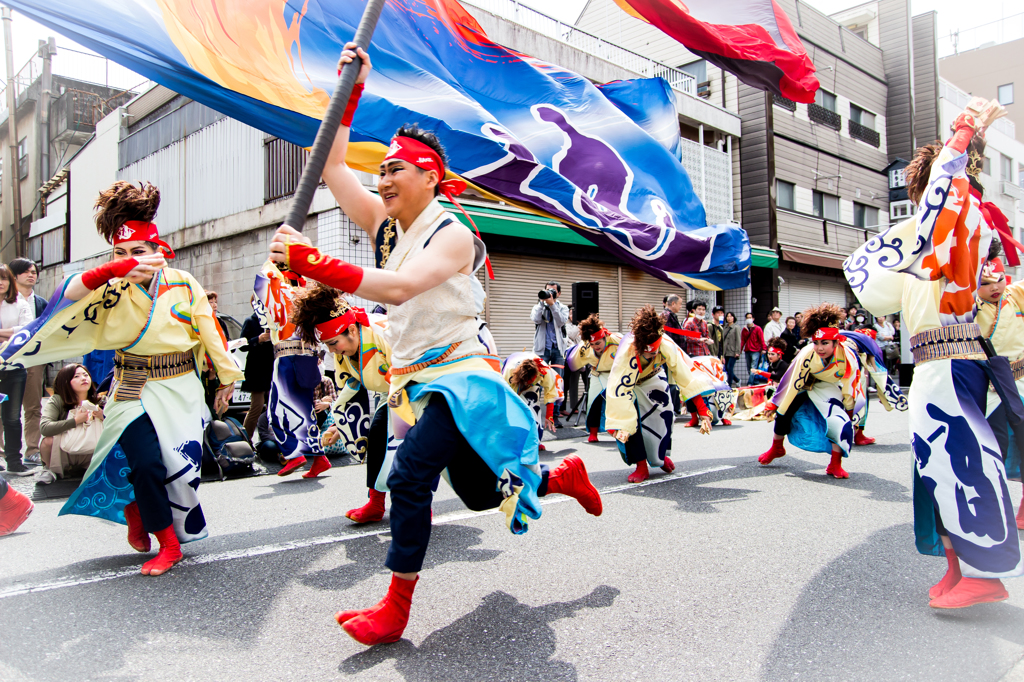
46,51
12,139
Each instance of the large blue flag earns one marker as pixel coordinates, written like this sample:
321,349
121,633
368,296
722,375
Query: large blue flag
528,132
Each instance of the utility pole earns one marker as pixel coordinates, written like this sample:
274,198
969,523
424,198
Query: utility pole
46,51
12,137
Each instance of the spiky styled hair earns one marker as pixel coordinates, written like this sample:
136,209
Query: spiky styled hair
647,326
313,306
821,315
525,373
122,202
590,326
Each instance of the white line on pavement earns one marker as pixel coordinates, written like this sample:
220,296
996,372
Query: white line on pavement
102,576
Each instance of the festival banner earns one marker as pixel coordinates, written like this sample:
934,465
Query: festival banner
515,128
752,39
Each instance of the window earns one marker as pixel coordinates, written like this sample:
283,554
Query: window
860,31
1005,168
697,69
826,206
1006,94
865,216
897,178
825,99
986,165
862,116
22,159
785,195
900,210
1020,174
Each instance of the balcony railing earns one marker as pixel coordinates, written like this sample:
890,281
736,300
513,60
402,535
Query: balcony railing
826,117
959,99
1013,191
284,164
535,20
781,101
864,134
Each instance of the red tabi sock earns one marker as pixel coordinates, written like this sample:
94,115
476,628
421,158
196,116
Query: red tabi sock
835,467
971,591
570,478
291,465
860,439
593,436
138,538
774,452
320,465
14,509
385,624
169,554
669,466
1020,514
694,420
371,512
726,422
950,580
641,474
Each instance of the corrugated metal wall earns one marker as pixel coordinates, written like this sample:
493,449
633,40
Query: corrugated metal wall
215,172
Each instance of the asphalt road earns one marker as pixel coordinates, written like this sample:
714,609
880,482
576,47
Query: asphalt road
725,570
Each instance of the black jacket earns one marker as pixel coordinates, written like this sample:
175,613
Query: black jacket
792,340
669,319
259,363
778,369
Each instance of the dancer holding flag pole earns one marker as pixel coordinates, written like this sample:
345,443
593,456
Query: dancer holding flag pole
444,383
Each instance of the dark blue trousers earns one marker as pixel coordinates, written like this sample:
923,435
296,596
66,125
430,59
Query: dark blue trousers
148,474
377,446
432,445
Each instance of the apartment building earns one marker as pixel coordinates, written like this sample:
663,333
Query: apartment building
226,187
813,177
994,71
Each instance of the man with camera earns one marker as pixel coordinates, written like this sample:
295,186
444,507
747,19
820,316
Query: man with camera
550,316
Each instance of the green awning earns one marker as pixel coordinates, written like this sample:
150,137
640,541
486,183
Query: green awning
517,224
763,257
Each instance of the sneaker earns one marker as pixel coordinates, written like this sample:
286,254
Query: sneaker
34,459
45,477
18,469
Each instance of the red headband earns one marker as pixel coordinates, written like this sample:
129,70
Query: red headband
829,334
420,155
337,325
993,271
600,334
141,231
656,345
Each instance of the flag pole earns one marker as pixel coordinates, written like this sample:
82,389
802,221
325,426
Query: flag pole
332,119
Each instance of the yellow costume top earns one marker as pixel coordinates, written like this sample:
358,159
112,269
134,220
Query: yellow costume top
124,316
1003,322
808,367
370,367
629,370
602,364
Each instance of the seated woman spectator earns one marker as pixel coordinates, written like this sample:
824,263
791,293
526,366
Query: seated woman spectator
67,424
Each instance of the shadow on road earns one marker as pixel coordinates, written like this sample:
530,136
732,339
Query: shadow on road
837,631
501,639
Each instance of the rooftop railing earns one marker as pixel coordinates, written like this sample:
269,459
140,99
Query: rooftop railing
959,98
535,20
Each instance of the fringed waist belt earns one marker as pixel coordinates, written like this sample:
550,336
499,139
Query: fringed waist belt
1017,367
954,342
285,348
443,357
131,372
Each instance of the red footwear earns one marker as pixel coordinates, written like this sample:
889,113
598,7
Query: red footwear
570,478
593,436
726,422
971,591
669,466
320,465
860,439
1020,515
541,447
343,616
694,420
950,580
291,465
641,474
14,509
385,624
138,538
835,467
777,450
169,554
371,512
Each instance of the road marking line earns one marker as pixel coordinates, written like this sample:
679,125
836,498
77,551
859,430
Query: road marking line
102,576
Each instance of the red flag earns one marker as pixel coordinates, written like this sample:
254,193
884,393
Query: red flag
752,39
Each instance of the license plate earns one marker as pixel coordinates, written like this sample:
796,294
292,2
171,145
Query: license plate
241,397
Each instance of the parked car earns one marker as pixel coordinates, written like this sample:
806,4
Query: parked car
239,399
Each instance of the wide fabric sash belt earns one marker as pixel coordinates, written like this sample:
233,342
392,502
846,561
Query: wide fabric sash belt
285,348
131,372
1017,366
398,371
956,342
